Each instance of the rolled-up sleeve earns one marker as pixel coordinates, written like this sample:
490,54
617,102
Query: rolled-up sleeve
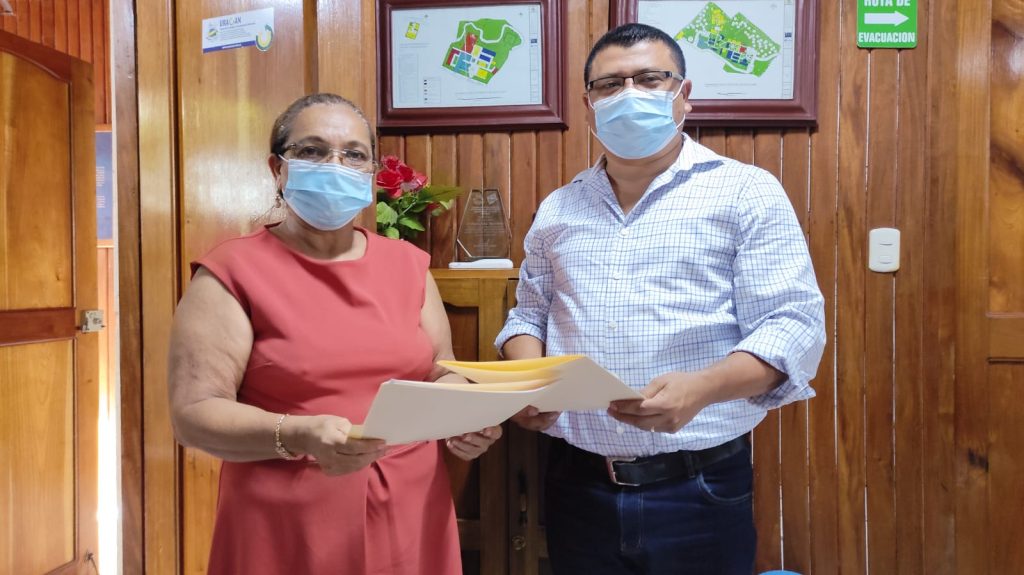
779,307
533,294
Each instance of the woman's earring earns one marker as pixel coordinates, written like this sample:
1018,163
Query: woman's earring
277,200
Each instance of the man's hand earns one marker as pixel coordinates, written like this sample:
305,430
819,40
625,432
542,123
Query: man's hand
469,446
672,401
531,418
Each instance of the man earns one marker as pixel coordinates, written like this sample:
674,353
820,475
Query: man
687,275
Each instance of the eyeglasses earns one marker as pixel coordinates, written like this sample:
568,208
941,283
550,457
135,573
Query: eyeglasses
321,153
651,81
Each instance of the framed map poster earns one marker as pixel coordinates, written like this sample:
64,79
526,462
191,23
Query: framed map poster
751,62
461,65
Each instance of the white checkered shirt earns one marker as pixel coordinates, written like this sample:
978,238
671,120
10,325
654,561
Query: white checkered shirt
710,261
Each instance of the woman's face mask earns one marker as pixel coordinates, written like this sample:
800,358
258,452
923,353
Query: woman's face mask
326,195
634,124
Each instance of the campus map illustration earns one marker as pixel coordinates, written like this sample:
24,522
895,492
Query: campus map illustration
745,48
481,49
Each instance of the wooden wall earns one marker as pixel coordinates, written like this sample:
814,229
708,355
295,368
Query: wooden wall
864,478
79,28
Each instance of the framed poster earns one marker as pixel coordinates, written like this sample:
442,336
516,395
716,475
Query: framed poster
458,66
751,62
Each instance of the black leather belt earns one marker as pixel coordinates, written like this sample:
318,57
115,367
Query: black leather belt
637,471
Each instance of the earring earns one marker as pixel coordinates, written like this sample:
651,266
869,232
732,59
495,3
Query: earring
278,199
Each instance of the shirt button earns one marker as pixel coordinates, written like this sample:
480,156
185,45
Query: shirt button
616,276
612,324
620,430
624,232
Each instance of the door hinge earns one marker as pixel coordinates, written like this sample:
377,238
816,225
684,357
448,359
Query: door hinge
92,320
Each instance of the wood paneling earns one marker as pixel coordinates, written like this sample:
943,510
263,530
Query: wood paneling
973,532
899,448
79,28
795,491
822,204
129,288
879,349
939,294
159,277
850,310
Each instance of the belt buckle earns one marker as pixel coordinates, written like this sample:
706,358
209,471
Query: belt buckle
610,462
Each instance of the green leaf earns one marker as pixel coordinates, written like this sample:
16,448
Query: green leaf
386,215
391,232
441,193
411,223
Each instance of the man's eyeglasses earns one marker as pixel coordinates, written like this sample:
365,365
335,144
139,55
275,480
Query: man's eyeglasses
322,153
651,81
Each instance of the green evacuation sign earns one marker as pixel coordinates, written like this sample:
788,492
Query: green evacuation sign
887,23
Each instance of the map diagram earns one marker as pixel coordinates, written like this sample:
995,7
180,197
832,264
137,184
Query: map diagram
481,49
745,48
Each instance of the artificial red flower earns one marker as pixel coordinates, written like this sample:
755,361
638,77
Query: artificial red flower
390,181
391,162
414,182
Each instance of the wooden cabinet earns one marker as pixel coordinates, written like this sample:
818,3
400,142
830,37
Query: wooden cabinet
497,498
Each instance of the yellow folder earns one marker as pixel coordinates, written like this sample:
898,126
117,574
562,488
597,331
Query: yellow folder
406,411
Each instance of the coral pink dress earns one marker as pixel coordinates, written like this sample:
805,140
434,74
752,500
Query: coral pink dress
326,334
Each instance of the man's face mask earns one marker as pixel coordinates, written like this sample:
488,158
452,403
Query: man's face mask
326,195
634,124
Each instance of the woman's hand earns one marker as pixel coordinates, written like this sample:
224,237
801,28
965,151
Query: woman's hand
325,438
469,446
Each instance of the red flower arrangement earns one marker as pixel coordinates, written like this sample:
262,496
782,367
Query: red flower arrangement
405,200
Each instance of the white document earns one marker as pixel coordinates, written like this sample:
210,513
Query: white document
406,411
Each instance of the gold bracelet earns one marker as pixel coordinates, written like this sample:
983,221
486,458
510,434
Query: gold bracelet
279,447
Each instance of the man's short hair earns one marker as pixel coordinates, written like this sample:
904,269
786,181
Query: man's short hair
629,34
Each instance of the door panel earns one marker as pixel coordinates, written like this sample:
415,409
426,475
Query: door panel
37,434
36,176
1006,167
1006,498
48,370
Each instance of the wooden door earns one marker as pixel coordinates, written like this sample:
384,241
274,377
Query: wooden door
990,234
48,369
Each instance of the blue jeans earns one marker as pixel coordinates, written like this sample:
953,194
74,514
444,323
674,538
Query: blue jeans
702,525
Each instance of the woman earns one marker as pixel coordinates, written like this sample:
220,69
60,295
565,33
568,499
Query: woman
282,340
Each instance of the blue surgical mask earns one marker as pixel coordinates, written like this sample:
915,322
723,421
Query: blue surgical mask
634,124
326,196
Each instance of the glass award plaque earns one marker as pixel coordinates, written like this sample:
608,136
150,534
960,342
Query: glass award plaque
483,232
